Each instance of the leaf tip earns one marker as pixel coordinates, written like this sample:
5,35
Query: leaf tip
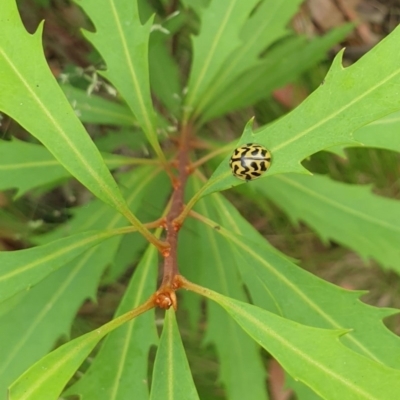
248,130
39,29
337,65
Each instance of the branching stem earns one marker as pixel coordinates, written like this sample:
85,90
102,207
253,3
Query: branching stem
165,296
161,245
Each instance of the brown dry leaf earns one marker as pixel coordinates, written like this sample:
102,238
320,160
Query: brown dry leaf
277,382
326,14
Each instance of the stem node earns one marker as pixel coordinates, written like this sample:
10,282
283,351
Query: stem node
165,298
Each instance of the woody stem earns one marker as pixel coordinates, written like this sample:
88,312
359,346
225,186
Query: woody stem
168,287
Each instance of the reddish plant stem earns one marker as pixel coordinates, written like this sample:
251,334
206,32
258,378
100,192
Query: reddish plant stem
165,296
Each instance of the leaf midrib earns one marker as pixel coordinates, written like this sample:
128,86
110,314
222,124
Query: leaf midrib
221,273
339,206
103,187
235,60
334,114
143,109
131,324
306,300
278,337
297,290
34,164
57,254
61,361
52,300
74,272
170,362
210,56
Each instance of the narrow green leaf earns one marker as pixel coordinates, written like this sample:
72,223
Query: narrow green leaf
121,363
348,99
34,99
350,215
47,378
164,70
283,64
189,255
172,379
239,359
122,41
286,289
265,26
94,109
383,133
139,184
47,310
221,24
130,248
241,368
134,139
197,5
45,313
314,356
22,269
26,166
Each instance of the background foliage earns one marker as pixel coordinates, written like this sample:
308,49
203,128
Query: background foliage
139,115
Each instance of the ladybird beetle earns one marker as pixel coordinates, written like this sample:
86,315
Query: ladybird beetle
250,161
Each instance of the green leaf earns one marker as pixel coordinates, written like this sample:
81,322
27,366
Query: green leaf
190,266
383,133
348,214
219,37
134,139
121,363
239,359
47,310
348,99
172,379
265,26
286,289
47,378
22,269
164,71
282,64
139,186
130,248
94,109
312,355
122,41
45,313
241,368
197,5
26,166
34,99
